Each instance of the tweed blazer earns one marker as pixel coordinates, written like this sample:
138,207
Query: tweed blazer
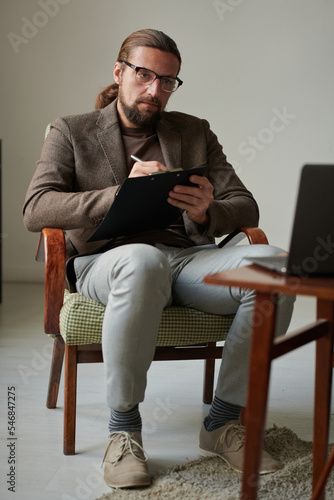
83,163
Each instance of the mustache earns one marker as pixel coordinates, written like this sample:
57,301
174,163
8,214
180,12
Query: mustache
154,100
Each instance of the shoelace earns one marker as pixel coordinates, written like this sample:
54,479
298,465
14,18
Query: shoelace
126,446
236,429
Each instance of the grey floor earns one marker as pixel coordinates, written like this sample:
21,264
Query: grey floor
172,412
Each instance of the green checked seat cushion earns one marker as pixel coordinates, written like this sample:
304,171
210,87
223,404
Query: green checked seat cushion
81,323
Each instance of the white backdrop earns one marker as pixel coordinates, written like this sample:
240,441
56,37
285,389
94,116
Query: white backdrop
261,72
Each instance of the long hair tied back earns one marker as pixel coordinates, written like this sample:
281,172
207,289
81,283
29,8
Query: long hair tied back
142,38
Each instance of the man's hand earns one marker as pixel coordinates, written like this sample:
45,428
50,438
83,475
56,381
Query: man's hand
141,168
195,200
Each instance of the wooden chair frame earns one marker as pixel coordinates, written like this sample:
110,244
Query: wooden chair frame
51,249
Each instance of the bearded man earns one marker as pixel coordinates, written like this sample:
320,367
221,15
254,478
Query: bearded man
84,161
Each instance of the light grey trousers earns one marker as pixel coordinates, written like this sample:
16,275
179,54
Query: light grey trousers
137,281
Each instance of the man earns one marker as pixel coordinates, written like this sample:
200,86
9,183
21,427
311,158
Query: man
84,161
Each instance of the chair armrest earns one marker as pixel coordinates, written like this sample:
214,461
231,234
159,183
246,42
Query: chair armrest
51,248
255,236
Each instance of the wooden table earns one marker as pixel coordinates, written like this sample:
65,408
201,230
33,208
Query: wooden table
265,348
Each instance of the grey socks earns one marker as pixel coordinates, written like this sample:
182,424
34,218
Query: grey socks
129,421
221,413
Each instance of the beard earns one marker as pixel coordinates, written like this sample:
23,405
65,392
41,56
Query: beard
141,118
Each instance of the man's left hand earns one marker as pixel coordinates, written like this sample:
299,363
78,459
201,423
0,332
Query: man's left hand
195,200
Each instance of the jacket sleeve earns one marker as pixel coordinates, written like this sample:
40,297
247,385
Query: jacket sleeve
234,205
56,197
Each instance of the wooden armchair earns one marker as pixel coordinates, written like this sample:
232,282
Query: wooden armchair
75,323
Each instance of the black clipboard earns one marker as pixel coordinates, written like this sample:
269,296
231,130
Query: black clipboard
141,204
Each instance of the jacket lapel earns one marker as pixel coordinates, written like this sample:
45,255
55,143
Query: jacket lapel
170,142
111,142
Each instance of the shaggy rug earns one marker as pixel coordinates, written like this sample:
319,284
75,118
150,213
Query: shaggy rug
211,478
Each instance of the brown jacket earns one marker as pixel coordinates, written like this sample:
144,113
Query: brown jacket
83,162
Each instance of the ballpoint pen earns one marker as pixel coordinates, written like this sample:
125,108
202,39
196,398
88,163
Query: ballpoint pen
155,173
135,158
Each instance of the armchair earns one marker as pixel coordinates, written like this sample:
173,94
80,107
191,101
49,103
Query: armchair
75,324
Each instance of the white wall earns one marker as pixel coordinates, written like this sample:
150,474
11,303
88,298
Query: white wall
245,64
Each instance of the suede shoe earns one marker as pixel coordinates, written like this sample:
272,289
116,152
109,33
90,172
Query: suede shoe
125,461
227,442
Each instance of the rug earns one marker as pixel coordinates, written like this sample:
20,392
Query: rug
211,478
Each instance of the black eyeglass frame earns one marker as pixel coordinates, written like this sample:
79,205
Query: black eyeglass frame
159,77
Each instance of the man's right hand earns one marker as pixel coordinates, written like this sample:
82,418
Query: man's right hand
141,168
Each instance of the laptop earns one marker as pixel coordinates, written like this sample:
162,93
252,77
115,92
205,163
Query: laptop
311,250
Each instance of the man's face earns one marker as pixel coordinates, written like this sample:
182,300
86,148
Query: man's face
142,105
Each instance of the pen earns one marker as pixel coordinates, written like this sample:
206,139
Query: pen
163,172
135,158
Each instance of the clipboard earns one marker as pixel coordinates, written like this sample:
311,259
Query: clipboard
141,204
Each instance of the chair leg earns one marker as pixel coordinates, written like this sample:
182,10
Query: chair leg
70,393
209,374
55,372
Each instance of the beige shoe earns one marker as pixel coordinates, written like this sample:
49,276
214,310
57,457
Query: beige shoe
125,461
227,442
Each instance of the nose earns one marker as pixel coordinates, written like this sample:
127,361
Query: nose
154,88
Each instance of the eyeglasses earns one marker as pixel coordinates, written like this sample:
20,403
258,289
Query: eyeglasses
147,76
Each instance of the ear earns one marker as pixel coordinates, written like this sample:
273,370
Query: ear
117,72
